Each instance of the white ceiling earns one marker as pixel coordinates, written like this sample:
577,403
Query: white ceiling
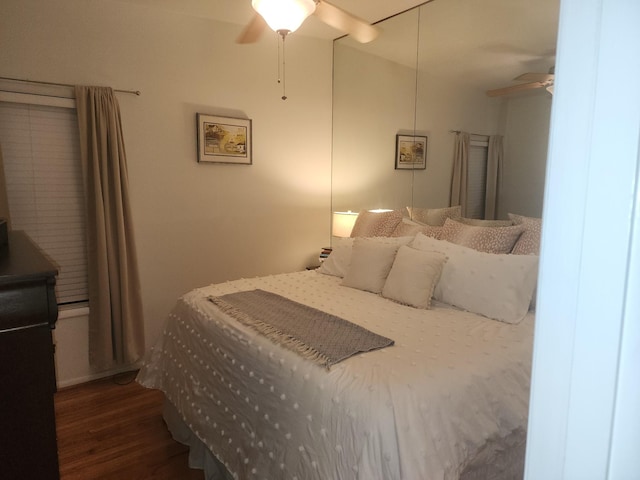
485,43
240,11
488,42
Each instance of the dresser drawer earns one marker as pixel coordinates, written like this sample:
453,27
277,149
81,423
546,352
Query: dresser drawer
23,305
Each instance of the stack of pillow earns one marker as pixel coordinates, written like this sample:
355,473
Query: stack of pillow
488,267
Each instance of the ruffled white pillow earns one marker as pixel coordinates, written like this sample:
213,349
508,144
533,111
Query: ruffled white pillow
413,277
371,261
339,259
338,262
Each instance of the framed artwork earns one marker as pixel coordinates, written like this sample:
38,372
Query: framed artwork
224,139
411,152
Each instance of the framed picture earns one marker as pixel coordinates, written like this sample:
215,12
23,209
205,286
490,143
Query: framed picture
224,139
411,152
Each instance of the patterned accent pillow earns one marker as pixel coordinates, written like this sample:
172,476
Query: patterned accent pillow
434,216
376,224
485,223
482,239
529,241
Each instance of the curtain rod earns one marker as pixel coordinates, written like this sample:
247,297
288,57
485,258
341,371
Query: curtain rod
133,92
478,134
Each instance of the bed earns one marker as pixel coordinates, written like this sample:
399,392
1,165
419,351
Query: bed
447,400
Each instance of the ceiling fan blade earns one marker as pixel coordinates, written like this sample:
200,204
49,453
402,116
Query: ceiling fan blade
515,88
535,77
253,30
344,21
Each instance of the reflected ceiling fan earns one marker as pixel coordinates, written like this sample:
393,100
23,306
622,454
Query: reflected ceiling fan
285,16
532,81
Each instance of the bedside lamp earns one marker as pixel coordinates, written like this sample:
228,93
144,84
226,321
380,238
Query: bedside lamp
342,223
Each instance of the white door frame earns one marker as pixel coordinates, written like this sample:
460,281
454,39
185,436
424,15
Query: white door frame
584,420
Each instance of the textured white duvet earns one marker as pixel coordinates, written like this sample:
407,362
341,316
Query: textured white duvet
453,383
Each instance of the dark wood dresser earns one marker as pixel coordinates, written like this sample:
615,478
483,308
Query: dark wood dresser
28,312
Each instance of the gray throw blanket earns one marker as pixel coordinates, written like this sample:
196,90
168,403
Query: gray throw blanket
314,334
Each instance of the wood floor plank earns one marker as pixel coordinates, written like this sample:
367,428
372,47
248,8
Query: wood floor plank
109,431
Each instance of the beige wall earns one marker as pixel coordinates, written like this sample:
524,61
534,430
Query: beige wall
194,223
368,115
526,133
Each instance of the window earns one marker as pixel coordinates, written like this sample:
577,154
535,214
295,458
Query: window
477,176
41,153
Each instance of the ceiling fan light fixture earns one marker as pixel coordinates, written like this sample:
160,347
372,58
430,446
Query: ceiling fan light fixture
284,15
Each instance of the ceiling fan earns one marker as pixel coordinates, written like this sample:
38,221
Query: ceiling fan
285,16
533,80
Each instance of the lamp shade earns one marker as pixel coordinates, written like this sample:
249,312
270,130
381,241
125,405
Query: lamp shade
285,15
342,223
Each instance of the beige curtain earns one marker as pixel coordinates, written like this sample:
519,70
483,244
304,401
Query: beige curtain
494,176
4,201
460,167
116,326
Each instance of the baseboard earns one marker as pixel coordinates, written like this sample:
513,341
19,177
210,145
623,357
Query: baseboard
97,376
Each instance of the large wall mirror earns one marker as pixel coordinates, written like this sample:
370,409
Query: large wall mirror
427,75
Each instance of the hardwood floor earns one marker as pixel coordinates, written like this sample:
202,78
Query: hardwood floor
109,431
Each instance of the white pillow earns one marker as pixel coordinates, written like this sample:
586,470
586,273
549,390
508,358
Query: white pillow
371,261
338,261
413,277
498,286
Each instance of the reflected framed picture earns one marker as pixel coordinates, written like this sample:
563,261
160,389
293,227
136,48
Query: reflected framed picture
411,152
224,139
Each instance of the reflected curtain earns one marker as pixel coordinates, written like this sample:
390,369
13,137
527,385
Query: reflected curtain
460,169
116,326
494,176
4,201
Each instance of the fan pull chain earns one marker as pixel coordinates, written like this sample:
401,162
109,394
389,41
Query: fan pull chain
279,62
283,34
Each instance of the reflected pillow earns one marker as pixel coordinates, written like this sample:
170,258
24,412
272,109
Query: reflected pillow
529,241
434,216
371,261
485,223
497,286
413,277
376,224
408,228
483,239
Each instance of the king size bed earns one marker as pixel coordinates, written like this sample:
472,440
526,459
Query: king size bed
446,397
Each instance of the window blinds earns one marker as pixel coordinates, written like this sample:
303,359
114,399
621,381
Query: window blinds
41,154
476,179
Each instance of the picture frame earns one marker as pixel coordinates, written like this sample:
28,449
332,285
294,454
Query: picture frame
224,139
411,152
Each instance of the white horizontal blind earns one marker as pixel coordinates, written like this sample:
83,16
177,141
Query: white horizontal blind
477,179
41,152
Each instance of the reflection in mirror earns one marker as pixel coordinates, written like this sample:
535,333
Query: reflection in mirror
427,74
373,100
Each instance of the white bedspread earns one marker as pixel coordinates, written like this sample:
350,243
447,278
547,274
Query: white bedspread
421,409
